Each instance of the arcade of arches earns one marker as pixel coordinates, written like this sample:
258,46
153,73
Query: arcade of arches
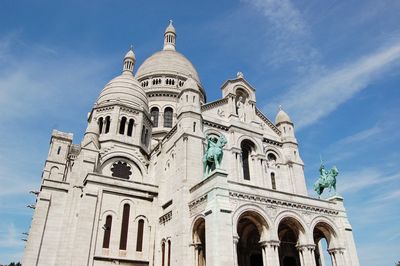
254,244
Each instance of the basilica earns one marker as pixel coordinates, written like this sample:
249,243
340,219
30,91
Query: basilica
163,177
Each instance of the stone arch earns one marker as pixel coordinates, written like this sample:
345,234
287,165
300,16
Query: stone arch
118,154
211,131
251,232
53,173
250,138
325,237
121,206
292,234
328,228
248,207
199,241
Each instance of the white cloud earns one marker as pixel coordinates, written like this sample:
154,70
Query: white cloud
316,97
42,78
361,179
9,237
288,36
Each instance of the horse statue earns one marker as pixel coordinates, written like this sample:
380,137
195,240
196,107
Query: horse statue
213,156
327,179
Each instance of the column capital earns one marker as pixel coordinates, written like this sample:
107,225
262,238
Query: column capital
304,247
338,250
270,243
236,239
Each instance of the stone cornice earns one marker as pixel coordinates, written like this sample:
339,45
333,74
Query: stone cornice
267,121
212,105
282,203
215,125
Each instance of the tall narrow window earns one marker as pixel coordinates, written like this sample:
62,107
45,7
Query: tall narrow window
169,253
142,138
122,125
168,113
100,125
58,150
139,241
247,147
245,162
130,127
124,227
107,232
154,116
146,137
162,253
107,124
273,182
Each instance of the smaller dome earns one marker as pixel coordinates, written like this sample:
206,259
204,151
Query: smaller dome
282,116
125,89
170,28
190,83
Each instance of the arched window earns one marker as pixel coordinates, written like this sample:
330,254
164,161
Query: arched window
169,253
273,182
163,253
168,113
154,116
101,125
122,125
247,147
107,124
130,127
107,232
139,241
124,227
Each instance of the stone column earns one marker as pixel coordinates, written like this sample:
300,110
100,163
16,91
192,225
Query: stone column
337,256
235,255
270,252
306,253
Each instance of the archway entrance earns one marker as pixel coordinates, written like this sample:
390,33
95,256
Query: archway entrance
323,237
250,228
288,233
199,242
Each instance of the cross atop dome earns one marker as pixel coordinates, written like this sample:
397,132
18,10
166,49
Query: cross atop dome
170,37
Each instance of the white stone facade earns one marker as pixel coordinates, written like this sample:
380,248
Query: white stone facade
133,191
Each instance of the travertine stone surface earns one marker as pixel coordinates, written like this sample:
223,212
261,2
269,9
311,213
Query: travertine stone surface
256,201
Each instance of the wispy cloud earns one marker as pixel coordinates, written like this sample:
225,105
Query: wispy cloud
288,34
316,97
360,179
41,78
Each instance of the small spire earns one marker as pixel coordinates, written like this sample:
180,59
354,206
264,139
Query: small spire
280,107
239,74
129,61
170,37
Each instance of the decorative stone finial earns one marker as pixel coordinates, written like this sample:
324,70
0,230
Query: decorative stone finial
170,37
239,75
129,61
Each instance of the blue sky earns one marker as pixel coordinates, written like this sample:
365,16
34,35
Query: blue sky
333,65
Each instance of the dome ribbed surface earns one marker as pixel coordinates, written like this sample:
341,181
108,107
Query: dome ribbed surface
282,116
125,89
167,62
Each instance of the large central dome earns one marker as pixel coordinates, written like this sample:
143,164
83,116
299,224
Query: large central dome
167,62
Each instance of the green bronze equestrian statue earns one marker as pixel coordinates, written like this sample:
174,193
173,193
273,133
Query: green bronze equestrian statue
327,179
213,155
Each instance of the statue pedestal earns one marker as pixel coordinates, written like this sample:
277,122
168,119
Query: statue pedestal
335,198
